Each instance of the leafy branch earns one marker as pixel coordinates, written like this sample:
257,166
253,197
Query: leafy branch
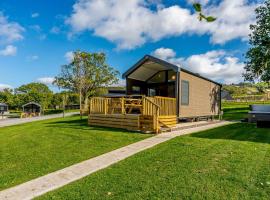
201,16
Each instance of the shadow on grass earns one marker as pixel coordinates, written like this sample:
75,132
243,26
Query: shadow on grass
83,125
239,132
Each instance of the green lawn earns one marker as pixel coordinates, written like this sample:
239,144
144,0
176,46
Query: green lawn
30,150
230,162
237,113
238,110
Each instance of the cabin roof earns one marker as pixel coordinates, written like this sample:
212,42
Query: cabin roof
152,65
34,103
3,104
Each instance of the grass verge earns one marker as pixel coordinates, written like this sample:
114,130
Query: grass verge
35,149
230,162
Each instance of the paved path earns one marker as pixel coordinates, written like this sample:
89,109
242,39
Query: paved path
52,181
15,121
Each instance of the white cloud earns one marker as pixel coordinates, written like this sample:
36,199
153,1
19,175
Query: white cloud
202,2
35,15
36,28
46,80
9,31
132,23
164,53
33,57
5,86
9,50
217,65
69,56
55,30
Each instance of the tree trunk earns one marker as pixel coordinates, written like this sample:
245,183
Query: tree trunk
64,96
86,103
81,103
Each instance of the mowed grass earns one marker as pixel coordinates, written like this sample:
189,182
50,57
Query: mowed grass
30,150
230,162
238,110
237,113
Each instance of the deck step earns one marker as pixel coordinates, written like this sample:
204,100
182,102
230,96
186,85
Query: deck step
165,129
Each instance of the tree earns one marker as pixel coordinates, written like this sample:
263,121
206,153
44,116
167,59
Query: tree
86,74
258,56
6,96
36,92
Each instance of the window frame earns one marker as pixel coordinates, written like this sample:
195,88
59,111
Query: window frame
186,82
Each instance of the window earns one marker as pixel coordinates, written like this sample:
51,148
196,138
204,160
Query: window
136,90
184,92
151,92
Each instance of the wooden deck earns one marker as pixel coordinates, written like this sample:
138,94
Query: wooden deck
147,114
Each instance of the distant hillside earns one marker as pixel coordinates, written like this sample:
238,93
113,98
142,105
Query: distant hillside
247,90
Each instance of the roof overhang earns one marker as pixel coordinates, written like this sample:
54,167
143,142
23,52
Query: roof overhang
32,103
147,67
150,65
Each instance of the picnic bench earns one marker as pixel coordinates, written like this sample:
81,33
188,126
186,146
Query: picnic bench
260,114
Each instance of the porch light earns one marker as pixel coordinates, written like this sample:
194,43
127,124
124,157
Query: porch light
173,77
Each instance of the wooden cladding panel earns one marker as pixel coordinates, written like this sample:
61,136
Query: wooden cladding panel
203,97
129,122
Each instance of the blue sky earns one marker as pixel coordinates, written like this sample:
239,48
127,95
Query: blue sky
35,35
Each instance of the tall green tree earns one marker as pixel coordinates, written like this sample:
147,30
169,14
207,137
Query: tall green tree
36,92
86,74
258,56
6,96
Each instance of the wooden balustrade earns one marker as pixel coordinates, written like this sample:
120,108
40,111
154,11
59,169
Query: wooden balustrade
150,108
167,105
153,112
122,105
98,105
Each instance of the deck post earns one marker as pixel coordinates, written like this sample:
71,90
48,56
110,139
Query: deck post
122,105
90,107
156,120
105,106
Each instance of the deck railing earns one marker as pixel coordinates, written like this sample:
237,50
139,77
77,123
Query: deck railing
129,105
167,105
151,109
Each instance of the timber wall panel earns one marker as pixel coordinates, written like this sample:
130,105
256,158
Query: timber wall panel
129,122
203,97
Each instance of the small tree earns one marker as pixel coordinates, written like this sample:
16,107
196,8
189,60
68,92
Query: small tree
258,56
86,74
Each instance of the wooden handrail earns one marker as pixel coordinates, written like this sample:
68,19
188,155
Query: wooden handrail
119,105
153,109
147,98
